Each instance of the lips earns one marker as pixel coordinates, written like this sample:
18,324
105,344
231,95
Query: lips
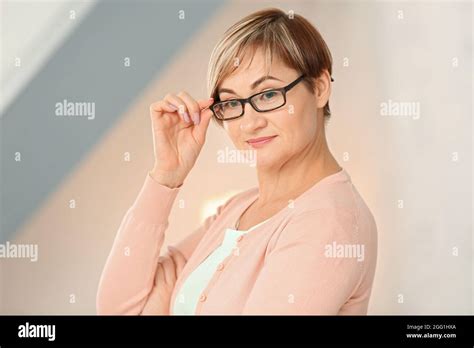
260,141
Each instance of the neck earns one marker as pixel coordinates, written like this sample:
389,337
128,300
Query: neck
295,176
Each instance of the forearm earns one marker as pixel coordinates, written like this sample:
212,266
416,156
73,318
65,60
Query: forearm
128,275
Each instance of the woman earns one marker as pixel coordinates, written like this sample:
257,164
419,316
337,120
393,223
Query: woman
302,242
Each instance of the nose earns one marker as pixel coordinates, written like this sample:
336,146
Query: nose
251,119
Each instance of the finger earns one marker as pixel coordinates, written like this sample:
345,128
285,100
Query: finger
206,115
170,270
160,106
157,108
178,258
192,105
200,131
180,104
205,103
164,267
160,274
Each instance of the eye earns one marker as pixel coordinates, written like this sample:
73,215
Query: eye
269,95
232,104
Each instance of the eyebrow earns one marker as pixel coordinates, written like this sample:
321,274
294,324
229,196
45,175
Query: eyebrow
252,86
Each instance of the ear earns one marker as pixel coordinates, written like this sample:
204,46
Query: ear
323,89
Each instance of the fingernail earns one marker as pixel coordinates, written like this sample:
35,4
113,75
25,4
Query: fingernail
186,117
171,249
173,107
196,118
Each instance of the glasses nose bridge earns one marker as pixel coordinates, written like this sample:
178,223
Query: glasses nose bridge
247,101
252,115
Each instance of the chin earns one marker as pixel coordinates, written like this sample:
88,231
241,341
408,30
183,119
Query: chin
264,160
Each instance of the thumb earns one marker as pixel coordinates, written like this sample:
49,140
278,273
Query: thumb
201,129
206,114
204,103
178,259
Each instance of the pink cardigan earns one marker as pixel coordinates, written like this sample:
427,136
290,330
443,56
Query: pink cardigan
315,256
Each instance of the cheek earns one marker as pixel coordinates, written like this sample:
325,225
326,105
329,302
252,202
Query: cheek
233,131
307,116
297,128
290,123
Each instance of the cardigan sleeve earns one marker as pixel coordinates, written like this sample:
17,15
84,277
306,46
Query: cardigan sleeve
129,272
300,275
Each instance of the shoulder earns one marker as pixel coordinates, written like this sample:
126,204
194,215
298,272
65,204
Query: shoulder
319,227
333,213
337,207
333,192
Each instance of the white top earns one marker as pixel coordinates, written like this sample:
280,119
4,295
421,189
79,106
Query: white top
187,299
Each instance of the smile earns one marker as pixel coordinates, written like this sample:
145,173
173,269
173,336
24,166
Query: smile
259,142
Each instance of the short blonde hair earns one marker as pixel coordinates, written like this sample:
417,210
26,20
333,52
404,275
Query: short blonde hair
291,38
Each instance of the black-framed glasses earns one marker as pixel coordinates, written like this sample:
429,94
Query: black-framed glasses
265,101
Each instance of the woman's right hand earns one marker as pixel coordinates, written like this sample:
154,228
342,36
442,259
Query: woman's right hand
179,126
168,270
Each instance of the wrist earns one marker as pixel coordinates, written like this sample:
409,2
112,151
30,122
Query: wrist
165,180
